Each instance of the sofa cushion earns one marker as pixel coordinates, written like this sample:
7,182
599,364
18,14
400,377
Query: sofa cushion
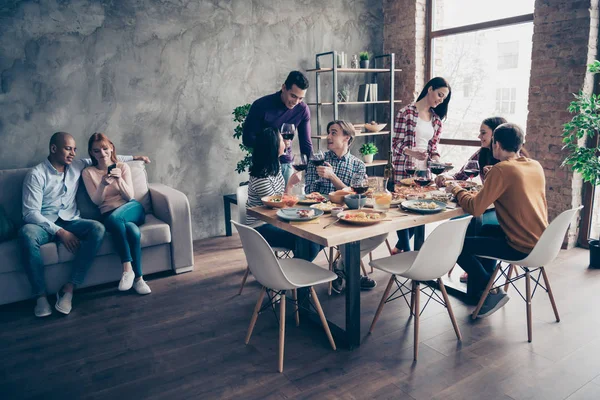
10,254
154,232
11,182
7,227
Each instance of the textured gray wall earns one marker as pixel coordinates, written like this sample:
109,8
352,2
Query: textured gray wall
161,78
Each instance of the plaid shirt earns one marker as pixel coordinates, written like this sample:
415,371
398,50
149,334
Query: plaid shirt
404,138
343,168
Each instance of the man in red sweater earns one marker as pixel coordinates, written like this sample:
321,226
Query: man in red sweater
517,188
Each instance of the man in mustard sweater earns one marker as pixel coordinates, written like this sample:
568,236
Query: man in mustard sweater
517,188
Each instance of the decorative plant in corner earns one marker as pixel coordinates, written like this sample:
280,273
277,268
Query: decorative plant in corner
239,116
578,134
368,150
364,59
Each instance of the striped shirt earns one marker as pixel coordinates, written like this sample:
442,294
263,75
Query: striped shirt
259,188
343,168
405,138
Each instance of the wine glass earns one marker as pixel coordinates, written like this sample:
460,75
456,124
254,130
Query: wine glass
410,166
472,169
288,131
360,184
422,178
300,163
317,158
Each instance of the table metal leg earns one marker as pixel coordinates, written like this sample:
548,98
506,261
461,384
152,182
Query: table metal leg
227,208
352,266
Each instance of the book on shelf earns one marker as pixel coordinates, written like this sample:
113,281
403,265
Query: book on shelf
373,92
363,92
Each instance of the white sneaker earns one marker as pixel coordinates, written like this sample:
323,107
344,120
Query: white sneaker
64,303
42,307
141,287
126,281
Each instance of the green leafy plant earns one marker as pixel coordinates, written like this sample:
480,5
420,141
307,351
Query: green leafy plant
364,55
239,115
584,125
368,148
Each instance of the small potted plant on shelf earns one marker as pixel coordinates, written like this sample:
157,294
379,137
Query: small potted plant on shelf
581,143
364,59
368,150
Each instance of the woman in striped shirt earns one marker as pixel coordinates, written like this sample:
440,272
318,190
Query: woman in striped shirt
266,180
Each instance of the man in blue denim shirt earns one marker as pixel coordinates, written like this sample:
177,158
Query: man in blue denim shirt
50,214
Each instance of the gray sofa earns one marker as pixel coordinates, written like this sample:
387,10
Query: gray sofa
166,237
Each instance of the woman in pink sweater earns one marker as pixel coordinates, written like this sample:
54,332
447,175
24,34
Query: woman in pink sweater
112,192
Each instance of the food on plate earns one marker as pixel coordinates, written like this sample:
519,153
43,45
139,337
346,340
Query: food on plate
362,216
407,181
304,213
314,196
326,207
413,192
280,201
424,205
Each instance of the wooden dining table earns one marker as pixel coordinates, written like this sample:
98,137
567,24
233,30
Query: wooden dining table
349,235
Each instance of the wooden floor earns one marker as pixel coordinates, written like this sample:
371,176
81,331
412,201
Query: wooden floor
186,340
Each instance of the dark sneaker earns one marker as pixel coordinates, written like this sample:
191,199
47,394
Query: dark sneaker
339,284
493,303
367,283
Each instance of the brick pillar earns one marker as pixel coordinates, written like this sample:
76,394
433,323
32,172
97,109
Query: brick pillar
404,33
565,40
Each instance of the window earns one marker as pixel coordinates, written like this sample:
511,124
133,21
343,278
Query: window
487,65
505,100
508,55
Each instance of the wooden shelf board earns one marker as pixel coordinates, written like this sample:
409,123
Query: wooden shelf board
353,70
376,163
340,103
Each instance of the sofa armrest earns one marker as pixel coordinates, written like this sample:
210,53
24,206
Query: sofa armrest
172,206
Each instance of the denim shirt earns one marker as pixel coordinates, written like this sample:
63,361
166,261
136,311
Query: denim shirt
49,195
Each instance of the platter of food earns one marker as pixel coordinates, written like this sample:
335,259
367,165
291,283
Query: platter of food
312,198
279,200
410,192
361,217
468,185
326,206
424,206
299,214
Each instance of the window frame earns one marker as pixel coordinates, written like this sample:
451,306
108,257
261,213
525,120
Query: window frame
430,35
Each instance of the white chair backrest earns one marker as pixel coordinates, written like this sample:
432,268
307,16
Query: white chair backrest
261,259
440,251
242,199
550,243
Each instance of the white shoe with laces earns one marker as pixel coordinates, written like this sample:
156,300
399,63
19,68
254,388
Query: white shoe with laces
141,287
126,281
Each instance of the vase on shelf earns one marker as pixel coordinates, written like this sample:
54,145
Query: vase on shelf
354,62
364,64
368,158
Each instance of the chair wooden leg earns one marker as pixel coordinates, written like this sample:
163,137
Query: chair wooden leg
382,303
417,294
528,301
371,260
362,267
388,246
449,307
297,312
331,261
450,272
550,295
281,329
512,268
486,292
322,317
261,296
412,302
244,280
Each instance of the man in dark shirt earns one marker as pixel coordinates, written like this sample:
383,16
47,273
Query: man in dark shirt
284,106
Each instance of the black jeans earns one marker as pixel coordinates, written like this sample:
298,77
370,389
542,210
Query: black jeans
491,241
404,236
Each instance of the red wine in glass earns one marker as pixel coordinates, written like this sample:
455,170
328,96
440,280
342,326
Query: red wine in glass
437,169
288,135
360,189
299,167
411,171
287,131
318,163
422,181
472,173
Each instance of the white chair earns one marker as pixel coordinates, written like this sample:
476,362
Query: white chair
278,276
242,198
544,252
437,255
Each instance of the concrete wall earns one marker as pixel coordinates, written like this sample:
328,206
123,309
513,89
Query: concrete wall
161,78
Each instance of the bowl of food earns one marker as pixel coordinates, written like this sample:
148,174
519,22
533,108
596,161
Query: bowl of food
374,126
338,196
279,200
354,202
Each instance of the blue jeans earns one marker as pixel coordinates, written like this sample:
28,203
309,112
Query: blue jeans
404,236
279,238
123,224
491,241
31,237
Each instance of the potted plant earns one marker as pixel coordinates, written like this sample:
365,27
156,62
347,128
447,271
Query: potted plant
368,150
364,59
239,115
581,143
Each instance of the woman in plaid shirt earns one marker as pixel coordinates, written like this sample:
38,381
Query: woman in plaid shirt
417,132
